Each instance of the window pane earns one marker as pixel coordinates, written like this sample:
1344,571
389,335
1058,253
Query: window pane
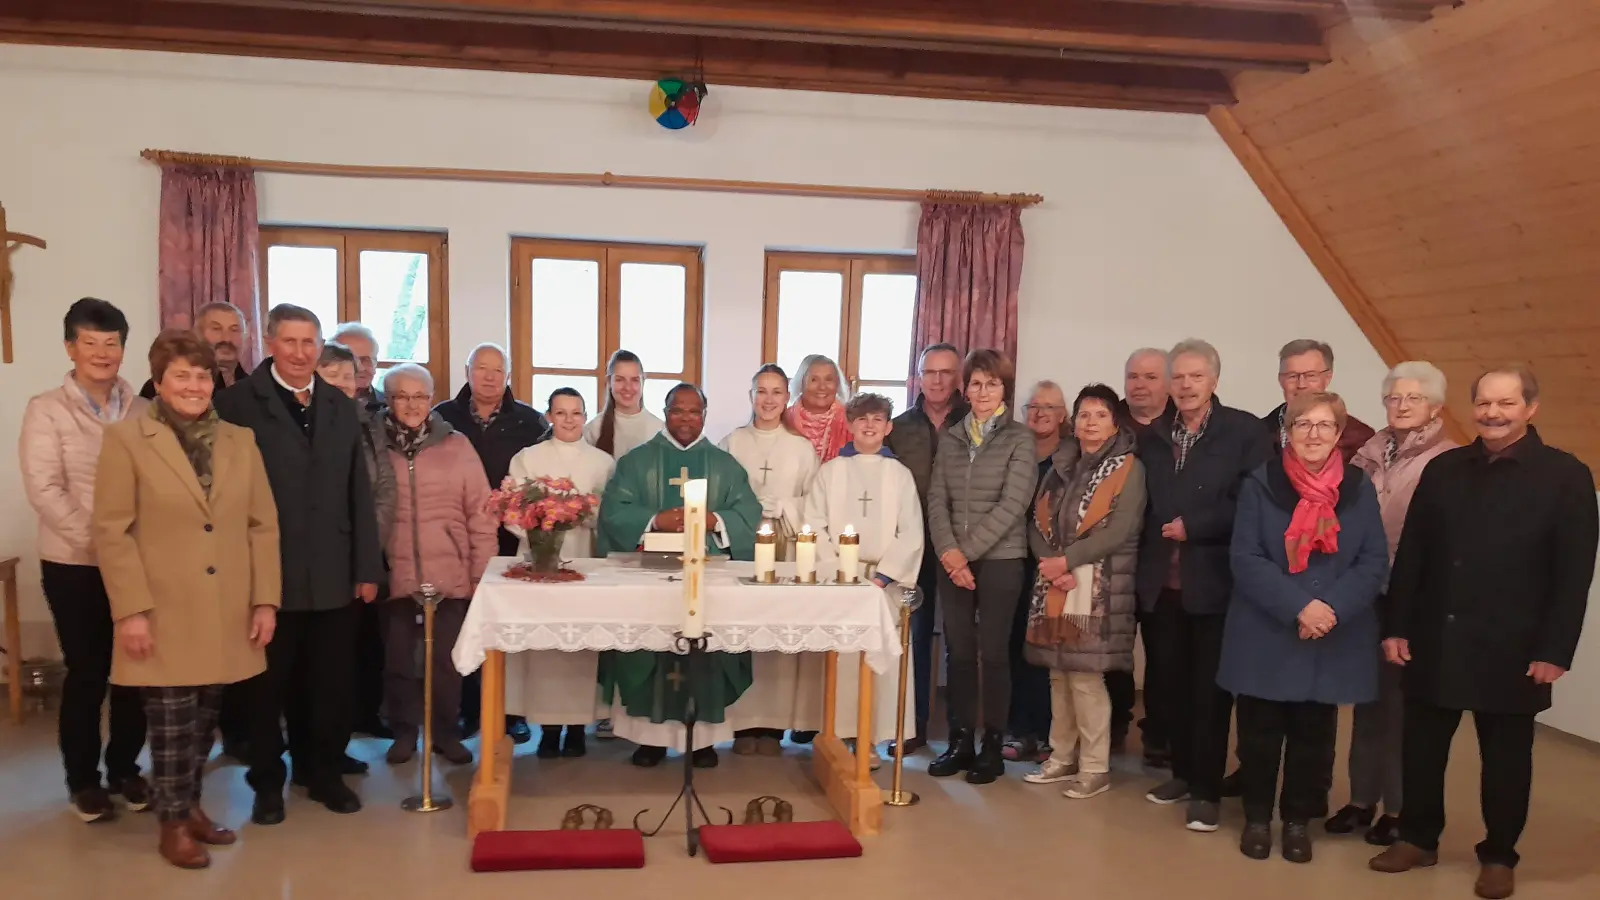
587,385
305,276
895,393
566,313
809,306
655,395
394,302
887,305
653,314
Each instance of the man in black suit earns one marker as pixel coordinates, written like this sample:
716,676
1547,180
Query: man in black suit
310,440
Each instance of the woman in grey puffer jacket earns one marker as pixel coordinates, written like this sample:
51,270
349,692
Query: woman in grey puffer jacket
1085,531
978,496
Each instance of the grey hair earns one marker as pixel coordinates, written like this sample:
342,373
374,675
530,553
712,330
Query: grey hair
1303,346
288,312
1045,384
1146,351
1424,373
1196,347
407,370
220,306
335,352
472,357
797,385
355,329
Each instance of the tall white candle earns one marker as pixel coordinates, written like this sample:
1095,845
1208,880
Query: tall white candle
766,553
694,556
805,556
849,555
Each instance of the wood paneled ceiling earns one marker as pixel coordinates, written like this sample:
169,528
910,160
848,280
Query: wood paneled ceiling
1175,55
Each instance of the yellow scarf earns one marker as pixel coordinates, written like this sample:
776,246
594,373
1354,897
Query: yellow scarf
977,431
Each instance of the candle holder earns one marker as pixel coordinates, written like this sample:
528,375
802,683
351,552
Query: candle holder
849,557
909,600
766,553
695,648
806,549
428,598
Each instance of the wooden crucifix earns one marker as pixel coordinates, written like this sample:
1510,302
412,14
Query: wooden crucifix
10,242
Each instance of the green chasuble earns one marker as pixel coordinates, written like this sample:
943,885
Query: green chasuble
651,684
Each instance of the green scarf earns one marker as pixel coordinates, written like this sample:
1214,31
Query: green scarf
197,438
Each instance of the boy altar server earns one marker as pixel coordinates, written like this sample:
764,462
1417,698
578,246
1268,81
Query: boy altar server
866,488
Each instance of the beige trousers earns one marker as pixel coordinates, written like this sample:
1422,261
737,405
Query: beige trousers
1080,721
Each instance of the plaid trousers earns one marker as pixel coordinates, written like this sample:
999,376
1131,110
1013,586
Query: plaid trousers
181,725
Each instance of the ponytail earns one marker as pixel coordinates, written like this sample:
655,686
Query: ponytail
607,440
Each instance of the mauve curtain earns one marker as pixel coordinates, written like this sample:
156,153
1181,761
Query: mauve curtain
210,241
969,268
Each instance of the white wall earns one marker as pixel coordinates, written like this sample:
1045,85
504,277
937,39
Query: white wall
1150,232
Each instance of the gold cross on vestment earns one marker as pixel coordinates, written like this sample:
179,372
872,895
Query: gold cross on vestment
675,678
10,242
680,481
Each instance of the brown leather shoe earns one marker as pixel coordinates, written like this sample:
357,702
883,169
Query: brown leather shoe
179,848
202,829
1403,857
1495,882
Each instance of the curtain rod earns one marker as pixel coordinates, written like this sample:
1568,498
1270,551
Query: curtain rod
589,179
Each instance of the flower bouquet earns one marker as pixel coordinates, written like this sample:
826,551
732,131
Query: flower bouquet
544,509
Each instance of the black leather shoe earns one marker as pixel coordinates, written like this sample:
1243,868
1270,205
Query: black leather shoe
990,763
1348,820
647,757
352,766
1384,832
1233,785
469,729
913,744
802,737
1296,842
1256,842
337,797
956,758
575,744
268,809
549,742
705,758
517,727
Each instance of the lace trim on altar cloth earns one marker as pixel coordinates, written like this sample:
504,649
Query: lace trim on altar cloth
573,637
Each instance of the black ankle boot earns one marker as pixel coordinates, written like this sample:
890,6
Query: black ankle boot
991,762
957,757
549,742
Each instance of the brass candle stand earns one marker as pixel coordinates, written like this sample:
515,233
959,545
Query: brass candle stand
910,599
427,801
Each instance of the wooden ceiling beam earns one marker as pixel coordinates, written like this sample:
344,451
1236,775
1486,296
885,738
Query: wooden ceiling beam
1217,36
234,30
1389,9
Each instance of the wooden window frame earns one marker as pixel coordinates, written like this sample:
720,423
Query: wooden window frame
854,268
610,257
349,244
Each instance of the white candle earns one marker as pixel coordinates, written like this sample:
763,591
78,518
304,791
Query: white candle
694,556
805,556
849,555
766,554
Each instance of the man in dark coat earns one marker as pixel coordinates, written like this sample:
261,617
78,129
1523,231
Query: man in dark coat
914,440
1195,458
310,441
499,427
1306,367
1485,605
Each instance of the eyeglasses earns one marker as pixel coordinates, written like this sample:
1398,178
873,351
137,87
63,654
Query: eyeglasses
1303,377
410,398
1044,407
1404,400
1303,428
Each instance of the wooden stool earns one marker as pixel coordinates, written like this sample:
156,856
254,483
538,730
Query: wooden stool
8,578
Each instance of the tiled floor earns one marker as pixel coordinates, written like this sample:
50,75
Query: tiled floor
1007,840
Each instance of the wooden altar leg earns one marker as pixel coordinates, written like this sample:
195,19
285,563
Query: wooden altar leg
491,786
830,694
847,780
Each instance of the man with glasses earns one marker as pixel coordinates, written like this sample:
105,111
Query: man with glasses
1306,367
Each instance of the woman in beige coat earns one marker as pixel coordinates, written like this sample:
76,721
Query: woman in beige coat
187,535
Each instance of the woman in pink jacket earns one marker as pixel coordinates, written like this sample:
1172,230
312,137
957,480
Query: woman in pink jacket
442,536
1413,396
60,445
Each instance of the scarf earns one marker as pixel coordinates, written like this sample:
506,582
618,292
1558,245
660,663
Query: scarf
828,432
1184,439
978,432
1314,526
197,438
407,440
1063,515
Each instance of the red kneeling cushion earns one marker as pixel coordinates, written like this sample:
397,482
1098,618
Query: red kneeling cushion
519,851
778,842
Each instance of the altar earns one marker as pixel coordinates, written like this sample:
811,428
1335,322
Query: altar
623,608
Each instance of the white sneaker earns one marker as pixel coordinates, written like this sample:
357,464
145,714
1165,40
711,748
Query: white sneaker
1087,785
1050,772
603,732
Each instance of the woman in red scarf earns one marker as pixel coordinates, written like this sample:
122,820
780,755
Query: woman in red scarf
1301,637
818,414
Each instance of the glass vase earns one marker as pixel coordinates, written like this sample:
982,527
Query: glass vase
544,552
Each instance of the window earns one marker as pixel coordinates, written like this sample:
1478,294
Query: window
575,303
392,281
833,304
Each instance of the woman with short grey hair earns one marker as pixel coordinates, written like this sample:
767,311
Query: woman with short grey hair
1413,399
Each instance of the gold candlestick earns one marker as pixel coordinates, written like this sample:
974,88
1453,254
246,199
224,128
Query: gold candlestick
426,801
911,598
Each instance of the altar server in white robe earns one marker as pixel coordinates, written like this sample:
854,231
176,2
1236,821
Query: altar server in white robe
559,689
867,489
623,423
781,465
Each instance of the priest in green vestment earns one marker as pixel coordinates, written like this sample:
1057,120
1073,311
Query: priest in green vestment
646,494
